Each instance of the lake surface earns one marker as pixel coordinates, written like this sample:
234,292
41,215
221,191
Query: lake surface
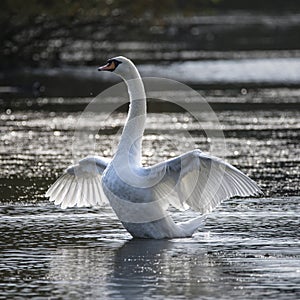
247,249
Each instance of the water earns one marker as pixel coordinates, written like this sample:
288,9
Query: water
248,248
244,70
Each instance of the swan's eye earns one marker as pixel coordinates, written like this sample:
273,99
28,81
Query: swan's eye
114,61
110,66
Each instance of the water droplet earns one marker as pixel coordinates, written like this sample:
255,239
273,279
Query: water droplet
244,91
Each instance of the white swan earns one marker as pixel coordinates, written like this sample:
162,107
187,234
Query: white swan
141,195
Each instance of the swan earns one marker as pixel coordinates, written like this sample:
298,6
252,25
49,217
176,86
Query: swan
140,196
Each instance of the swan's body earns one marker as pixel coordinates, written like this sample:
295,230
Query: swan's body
140,196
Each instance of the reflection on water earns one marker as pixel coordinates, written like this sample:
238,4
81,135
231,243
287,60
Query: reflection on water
247,249
139,267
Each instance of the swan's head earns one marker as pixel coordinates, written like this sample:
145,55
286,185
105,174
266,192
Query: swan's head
121,66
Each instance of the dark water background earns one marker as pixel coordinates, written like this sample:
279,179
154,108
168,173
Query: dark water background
247,67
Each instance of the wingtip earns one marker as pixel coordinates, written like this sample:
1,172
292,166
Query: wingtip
48,193
64,206
258,192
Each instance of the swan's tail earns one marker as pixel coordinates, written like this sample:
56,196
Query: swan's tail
189,227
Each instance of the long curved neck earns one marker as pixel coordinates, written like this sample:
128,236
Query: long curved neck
130,146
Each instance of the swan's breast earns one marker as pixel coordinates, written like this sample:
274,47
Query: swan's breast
131,204
112,182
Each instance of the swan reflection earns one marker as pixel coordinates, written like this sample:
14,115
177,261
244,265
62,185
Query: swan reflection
138,267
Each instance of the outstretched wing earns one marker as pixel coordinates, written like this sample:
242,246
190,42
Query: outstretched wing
80,185
199,181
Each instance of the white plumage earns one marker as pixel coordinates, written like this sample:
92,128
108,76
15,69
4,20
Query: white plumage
140,196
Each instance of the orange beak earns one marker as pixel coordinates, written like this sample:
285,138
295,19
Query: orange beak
108,67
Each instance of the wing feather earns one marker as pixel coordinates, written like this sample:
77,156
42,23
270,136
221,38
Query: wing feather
200,181
57,192
73,195
80,185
